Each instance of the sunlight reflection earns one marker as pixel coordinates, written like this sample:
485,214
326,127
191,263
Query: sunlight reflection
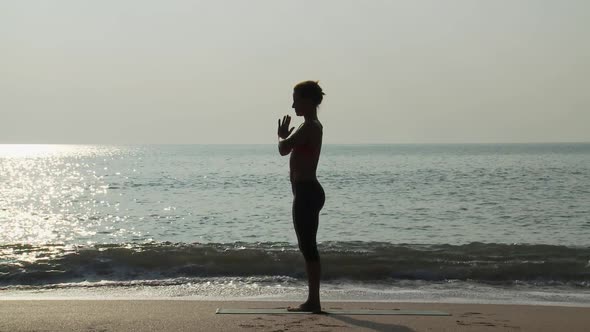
57,193
34,150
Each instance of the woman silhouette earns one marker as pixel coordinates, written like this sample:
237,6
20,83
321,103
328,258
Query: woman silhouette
308,195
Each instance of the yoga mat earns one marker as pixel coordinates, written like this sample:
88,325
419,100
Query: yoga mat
331,312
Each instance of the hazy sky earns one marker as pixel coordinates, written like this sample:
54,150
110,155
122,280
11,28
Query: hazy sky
223,71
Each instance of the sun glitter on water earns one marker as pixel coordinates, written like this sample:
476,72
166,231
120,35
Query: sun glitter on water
33,150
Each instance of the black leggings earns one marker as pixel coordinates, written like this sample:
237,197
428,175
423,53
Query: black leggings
308,200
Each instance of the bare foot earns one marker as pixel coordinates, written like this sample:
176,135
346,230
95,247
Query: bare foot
314,308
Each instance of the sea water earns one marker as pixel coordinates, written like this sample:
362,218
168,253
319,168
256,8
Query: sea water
462,222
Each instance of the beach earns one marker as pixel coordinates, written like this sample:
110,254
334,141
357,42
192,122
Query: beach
156,238
182,315
430,170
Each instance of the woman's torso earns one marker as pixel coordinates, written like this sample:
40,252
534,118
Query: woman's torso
304,158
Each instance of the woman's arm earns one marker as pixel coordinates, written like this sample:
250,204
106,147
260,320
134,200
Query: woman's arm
298,138
287,144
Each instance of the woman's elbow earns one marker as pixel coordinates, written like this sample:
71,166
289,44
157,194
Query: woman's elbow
283,150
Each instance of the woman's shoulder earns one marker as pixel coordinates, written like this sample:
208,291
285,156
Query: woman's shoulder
317,124
311,126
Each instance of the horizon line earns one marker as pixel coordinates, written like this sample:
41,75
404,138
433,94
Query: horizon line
336,143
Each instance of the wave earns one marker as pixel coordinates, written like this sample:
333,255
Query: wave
22,264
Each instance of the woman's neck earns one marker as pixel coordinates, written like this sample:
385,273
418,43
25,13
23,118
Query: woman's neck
311,116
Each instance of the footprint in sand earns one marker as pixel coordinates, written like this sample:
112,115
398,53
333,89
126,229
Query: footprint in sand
459,322
251,326
472,314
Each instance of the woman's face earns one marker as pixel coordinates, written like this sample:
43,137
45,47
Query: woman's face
301,105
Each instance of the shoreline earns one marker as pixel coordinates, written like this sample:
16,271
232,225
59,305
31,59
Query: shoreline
248,290
458,301
183,315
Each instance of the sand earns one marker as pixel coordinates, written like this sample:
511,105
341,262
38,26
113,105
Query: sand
185,315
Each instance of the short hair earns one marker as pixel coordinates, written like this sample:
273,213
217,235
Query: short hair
311,90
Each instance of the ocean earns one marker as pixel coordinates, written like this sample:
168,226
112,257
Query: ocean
481,223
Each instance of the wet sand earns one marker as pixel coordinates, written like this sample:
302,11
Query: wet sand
190,315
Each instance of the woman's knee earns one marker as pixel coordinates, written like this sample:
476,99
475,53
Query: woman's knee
310,252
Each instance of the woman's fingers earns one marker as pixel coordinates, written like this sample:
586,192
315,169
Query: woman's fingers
286,121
